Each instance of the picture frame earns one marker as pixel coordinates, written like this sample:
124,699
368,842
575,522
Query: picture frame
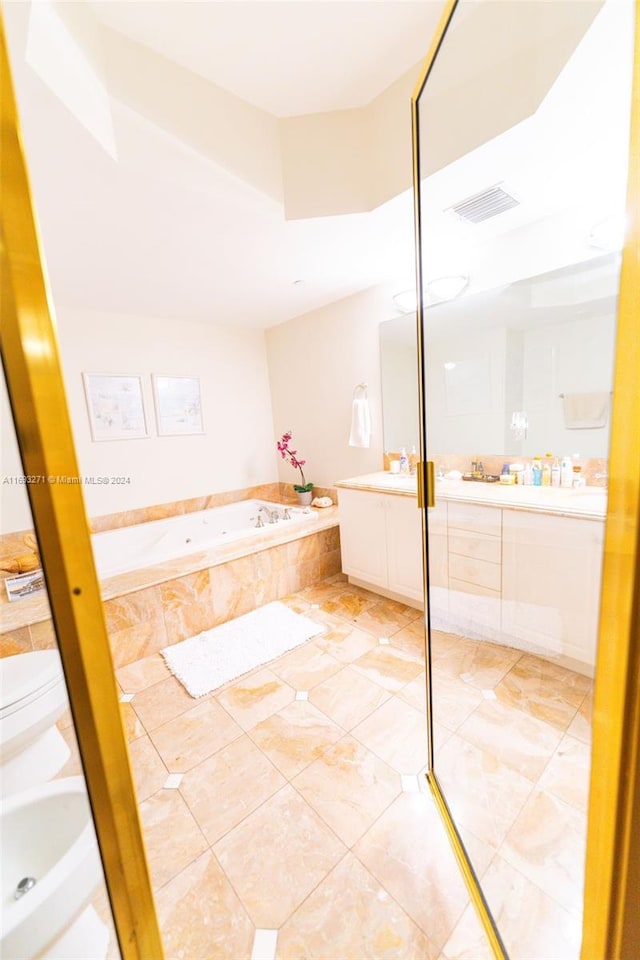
115,405
178,405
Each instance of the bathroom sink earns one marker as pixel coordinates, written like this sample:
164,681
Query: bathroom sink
47,834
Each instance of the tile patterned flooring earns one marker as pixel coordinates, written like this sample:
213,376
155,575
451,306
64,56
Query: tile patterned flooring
286,815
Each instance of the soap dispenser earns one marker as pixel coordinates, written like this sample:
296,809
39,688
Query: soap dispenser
404,461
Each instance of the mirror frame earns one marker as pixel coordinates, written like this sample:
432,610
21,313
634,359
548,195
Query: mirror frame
611,923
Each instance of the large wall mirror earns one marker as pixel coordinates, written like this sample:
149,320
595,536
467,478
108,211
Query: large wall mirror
522,141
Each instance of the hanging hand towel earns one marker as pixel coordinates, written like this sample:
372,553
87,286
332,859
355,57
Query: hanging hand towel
360,435
584,411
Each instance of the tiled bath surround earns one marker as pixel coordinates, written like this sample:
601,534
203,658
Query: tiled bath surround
149,609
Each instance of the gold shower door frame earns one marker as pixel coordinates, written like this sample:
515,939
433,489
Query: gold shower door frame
611,916
33,373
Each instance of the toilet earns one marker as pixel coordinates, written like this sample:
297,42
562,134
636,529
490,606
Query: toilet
33,697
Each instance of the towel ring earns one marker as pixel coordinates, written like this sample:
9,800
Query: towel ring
359,386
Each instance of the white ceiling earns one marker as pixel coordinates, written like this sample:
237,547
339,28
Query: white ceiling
290,57
165,231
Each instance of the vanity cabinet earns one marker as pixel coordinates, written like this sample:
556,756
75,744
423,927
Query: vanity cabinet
528,579
381,542
475,568
551,576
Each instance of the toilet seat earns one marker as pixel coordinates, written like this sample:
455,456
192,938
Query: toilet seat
27,677
33,698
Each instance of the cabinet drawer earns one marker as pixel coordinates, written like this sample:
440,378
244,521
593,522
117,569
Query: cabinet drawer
475,519
477,547
482,573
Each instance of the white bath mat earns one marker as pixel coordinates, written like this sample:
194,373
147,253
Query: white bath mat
212,658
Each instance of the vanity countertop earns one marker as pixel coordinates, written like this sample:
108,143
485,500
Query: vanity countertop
588,503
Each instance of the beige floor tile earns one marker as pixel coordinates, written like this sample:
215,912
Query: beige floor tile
349,787
567,773
149,772
483,794
345,642
296,736
255,697
386,617
172,837
142,673
162,702
518,740
410,640
453,699
195,735
546,844
349,602
397,733
277,856
222,790
415,693
408,852
325,589
480,663
131,722
392,669
580,726
305,667
532,925
201,916
544,690
349,915
348,697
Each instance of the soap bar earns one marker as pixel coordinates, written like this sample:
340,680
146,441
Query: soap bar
322,502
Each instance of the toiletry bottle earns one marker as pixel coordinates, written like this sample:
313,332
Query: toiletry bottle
527,475
536,472
546,475
505,469
566,472
404,461
413,460
578,479
555,474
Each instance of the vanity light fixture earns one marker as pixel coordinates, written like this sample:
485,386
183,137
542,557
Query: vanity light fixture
445,288
406,301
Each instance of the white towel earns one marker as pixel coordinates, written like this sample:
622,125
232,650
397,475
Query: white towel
584,411
360,435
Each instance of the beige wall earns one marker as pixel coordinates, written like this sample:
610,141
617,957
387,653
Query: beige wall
237,449
315,361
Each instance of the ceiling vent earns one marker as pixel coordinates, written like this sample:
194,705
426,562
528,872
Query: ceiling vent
482,206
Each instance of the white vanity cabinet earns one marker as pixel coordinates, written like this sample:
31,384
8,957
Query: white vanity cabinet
551,573
381,541
475,568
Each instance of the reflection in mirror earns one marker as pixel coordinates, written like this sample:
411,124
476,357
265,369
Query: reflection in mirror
523,145
56,906
398,376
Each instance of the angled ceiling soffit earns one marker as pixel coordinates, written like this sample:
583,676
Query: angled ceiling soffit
238,138
496,66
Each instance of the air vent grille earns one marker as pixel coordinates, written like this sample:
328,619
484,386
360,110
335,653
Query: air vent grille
482,206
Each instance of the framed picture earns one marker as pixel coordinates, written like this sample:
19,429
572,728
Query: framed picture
178,405
115,406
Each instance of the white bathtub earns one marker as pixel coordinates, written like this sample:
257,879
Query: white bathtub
144,544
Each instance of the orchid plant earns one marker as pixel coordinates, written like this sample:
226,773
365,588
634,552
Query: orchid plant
292,457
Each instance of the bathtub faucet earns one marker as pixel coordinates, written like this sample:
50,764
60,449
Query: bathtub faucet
271,514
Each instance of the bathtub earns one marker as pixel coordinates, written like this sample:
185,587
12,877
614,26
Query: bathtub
145,544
